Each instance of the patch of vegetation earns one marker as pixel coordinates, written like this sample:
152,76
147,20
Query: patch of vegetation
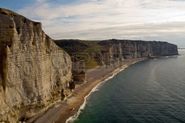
91,64
82,50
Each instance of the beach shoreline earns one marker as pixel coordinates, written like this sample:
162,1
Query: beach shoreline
73,118
67,111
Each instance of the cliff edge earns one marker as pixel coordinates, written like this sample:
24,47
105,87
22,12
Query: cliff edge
107,52
34,72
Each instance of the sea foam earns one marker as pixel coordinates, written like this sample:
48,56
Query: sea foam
96,88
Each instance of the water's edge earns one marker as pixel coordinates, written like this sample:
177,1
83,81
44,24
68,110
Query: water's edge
113,74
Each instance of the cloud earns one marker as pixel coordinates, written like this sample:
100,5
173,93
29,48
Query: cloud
138,31
98,19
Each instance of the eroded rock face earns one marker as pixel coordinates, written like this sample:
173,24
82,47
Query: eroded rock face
111,52
108,52
33,71
126,49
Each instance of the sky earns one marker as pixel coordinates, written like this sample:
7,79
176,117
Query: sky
162,20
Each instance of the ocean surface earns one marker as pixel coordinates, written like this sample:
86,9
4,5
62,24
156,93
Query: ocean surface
151,91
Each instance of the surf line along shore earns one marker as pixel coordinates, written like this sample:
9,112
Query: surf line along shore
67,111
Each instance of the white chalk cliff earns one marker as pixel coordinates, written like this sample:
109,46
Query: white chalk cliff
34,72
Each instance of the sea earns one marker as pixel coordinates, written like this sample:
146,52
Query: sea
151,91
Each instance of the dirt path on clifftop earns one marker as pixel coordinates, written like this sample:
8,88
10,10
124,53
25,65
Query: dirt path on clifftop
63,110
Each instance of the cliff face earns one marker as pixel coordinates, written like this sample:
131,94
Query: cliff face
33,71
126,49
111,52
108,51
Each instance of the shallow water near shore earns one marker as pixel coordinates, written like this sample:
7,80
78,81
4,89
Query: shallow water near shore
151,91
96,88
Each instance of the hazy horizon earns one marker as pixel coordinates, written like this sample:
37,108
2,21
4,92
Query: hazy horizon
107,19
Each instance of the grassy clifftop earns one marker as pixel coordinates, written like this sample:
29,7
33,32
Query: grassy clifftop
82,50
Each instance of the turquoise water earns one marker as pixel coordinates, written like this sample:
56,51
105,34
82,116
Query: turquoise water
152,91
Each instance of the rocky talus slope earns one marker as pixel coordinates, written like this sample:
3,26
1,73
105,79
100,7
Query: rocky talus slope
34,71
